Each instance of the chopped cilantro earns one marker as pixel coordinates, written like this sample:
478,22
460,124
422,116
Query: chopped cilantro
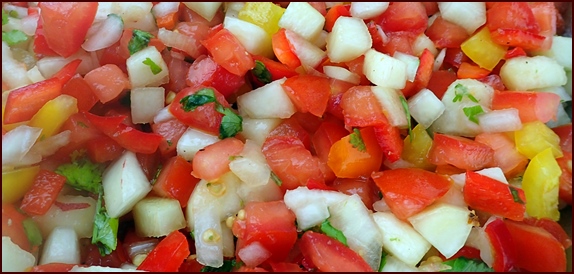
276,179
157,172
32,232
261,72
169,143
82,174
4,17
231,123
383,261
155,69
105,231
408,114
140,40
228,266
14,37
515,195
200,98
462,264
472,112
460,91
332,232
357,141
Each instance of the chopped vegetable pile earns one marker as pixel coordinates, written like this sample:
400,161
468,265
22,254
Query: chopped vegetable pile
286,136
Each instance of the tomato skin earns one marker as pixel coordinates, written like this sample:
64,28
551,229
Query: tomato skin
363,186
532,106
552,227
423,75
361,108
404,16
228,52
103,149
168,255
460,152
486,194
283,50
213,161
107,82
82,91
204,117
328,254
40,197
291,161
292,128
175,180
408,191
66,24
390,141
271,224
334,13
505,154
467,70
309,93
511,15
445,34
171,131
536,249
346,161
325,136
501,245
206,72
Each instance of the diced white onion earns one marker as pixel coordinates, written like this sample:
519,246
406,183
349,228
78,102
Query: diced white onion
61,246
163,115
381,206
179,41
253,254
342,74
29,24
104,34
192,141
425,107
469,15
502,120
439,59
17,143
366,10
164,8
146,103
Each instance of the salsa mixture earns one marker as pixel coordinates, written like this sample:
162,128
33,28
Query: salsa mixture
277,136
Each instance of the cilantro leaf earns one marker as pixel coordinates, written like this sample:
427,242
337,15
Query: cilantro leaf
357,141
276,179
332,232
383,261
472,112
140,40
105,231
515,195
200,98
261,72
32,232
462,264
14,37
460,91
228,266
82,174
408,114
156,176
155,69
4,17
231,123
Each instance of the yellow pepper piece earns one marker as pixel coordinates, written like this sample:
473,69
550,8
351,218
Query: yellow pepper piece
16,182
415,151
541,183
534,137
482,50
263,14
53,114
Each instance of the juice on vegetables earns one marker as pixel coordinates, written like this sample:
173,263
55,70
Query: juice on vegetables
277,136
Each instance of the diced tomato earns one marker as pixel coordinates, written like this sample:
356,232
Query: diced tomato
356,66
511,15
445,34
328,254
204,117
190,265
501,244
326,135
178,69
175,180
565,191
404,16
454,57
206,72
271,224
467,70
82,91
536,249
532,106
228,52
506,157
52,267
514,52
167,21
40,197
171,130
338,87
545,14
213,161
334,13
128,137
486,194
430,7
361,107
285,267
310,122
115,54
103,149
309,93
565,134
12,226
460,152
168,255
552,227
349,161
66,24
107,82
494,81
117,258
284,50
363,186
199,31
276,69
292,128
390,140
397,41
466,251
440,80
408,191
517,38
423,75
291,161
